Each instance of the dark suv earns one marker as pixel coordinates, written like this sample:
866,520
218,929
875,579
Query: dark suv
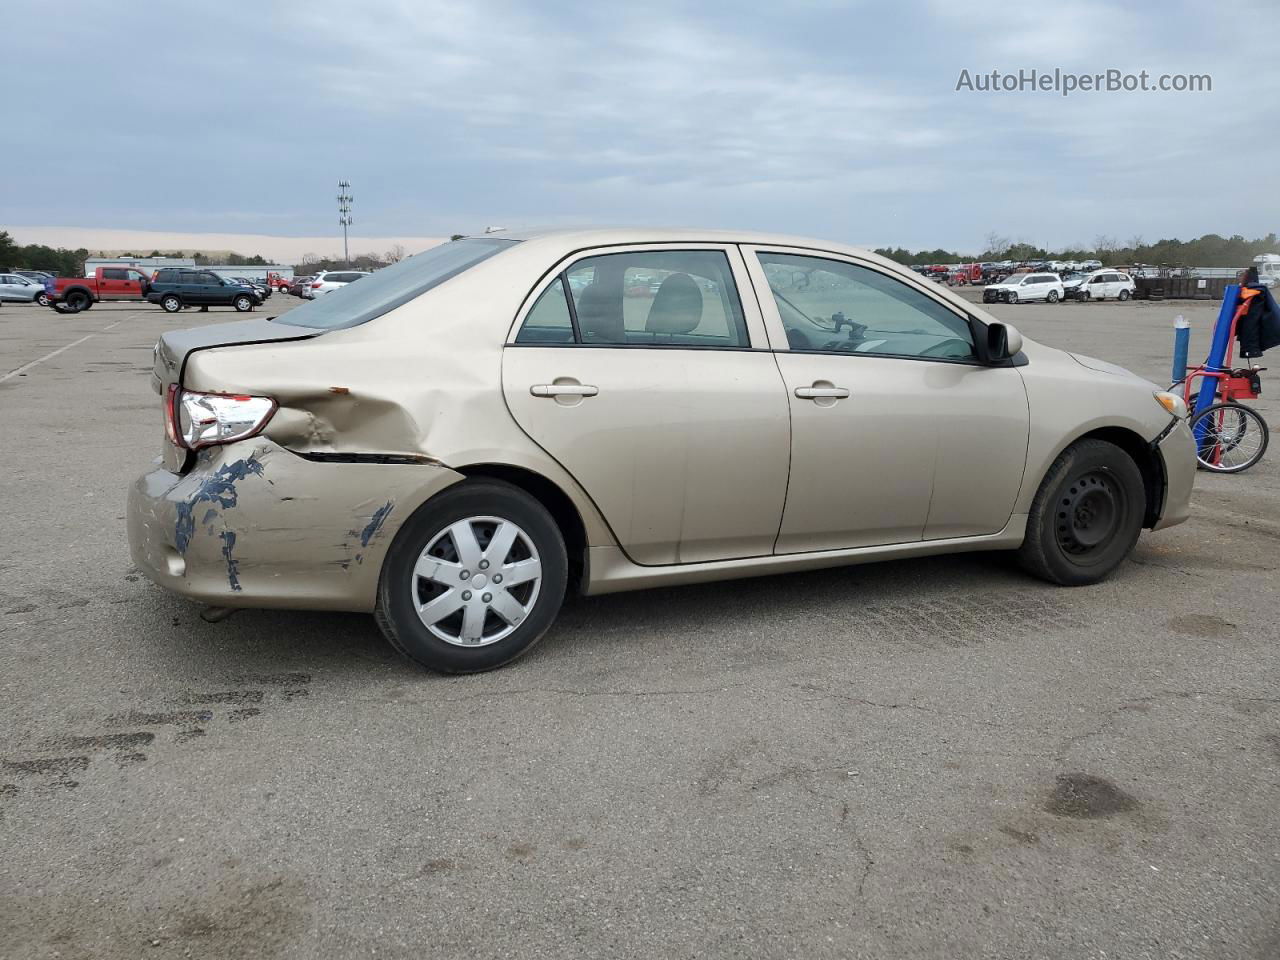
174,288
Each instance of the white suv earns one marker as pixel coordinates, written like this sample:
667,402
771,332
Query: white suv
327,282
1025,286
1101,285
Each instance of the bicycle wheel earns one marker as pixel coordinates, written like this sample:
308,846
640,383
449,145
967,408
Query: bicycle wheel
1230,437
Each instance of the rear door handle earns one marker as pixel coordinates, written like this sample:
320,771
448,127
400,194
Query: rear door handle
563,390
821,393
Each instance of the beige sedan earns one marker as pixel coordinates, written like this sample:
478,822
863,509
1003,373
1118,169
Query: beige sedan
458,441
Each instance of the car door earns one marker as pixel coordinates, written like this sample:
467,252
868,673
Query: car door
211,290
9,287
898,433
118,283
647,375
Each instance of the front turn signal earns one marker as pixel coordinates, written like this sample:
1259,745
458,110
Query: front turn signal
1172,403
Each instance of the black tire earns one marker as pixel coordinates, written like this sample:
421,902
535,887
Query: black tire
399,590
1051,296
43,299
1011,297
243,303
1082,296
1086,516
1123,295
78,300
171,303
1239,437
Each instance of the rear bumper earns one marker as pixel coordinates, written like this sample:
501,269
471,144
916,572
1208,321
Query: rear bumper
253,525
1177,452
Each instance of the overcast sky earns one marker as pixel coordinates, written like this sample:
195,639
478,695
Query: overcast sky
839,120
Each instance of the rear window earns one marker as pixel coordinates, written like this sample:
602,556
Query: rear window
394,286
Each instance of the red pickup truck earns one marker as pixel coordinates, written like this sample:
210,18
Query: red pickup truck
107,283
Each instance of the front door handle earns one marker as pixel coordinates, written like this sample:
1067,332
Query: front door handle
563,390
822,391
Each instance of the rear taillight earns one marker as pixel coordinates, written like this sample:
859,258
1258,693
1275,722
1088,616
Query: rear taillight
316,285
194,420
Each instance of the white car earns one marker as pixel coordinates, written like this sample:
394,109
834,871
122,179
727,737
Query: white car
1021,287
327,282
1101,285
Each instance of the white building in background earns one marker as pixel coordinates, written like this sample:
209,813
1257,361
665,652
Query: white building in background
150,265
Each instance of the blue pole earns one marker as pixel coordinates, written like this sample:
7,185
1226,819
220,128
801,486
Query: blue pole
1181,342
1218,349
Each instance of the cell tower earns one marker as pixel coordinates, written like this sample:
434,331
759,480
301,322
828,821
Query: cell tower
344,215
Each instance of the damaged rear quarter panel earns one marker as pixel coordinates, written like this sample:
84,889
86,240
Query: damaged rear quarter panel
422,381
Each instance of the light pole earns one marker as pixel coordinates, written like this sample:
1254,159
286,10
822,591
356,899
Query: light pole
344,215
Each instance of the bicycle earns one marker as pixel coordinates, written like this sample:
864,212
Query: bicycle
1230,436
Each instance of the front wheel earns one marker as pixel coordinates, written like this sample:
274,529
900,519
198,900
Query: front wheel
1052,296
1082,296
43,299
242,304
1086,515
473,579
1123,295
1230,437
1011,297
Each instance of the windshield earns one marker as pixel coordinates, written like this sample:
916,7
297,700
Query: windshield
394,286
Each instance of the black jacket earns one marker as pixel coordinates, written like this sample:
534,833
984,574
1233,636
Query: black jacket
1259,328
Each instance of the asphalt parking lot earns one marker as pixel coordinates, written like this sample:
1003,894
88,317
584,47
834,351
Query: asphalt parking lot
938,758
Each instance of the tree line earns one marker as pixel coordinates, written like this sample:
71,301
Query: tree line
1210,250
70,263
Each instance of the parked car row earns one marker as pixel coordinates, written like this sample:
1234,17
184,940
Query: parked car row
23,286
995,271
326,281
173,288
1051,287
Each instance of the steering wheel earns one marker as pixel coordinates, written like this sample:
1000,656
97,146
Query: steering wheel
946,348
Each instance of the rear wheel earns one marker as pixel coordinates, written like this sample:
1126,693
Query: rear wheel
473,579
43,299
1086,516
78,300
171,303
1230,437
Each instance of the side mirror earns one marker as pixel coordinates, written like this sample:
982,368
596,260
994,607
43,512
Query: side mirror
1003,341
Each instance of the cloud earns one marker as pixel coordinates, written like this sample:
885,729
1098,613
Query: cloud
818,117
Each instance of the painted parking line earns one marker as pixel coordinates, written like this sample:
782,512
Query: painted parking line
49,356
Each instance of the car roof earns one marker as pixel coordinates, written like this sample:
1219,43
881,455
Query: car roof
612,235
